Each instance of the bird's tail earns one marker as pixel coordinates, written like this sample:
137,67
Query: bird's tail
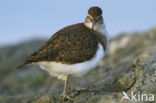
22,65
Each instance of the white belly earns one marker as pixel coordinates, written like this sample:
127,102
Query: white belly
60,70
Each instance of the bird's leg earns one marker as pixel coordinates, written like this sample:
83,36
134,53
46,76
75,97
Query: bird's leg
75,89
64,92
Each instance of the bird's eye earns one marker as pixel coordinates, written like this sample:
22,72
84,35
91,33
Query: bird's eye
88,17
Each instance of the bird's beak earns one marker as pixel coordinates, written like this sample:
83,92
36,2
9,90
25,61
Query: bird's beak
93,24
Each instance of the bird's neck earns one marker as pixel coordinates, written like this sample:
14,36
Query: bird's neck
97,27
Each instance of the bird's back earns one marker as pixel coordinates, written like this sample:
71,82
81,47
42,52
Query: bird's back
72,44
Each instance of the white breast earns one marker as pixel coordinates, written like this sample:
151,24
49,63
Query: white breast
60,70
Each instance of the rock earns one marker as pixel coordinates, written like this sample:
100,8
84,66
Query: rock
128,68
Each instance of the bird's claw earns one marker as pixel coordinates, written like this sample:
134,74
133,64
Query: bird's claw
64,96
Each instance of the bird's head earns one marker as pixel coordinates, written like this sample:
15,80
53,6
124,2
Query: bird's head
94,18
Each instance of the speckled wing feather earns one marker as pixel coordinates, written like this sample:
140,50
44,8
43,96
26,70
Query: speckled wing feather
73,44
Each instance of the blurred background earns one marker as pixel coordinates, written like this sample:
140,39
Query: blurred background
129,64
23,20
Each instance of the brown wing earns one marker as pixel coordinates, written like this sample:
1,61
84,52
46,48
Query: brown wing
73,44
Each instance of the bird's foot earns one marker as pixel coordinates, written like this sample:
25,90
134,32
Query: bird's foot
64,96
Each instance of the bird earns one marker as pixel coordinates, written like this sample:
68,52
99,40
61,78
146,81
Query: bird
74,50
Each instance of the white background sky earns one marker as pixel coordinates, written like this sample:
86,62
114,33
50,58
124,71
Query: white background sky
26,19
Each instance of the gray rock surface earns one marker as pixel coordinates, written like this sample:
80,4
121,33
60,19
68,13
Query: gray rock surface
129,66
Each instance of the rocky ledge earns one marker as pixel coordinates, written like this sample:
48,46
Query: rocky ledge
128,71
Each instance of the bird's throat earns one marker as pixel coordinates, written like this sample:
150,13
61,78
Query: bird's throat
96,27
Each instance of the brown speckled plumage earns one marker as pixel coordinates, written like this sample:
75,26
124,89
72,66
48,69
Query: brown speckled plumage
72,44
